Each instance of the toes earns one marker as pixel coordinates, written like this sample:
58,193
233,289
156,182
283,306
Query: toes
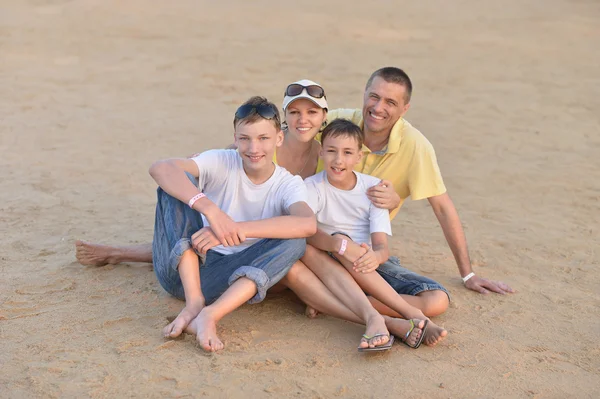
363,343
174,329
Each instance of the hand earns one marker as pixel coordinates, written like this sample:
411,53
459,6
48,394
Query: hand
353,250
482,286
203,240
224,228
383,195
368,262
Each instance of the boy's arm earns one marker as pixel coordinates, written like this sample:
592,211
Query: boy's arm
170,175
376,255
333,243
300,223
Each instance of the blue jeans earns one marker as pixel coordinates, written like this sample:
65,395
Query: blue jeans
405,281
265,262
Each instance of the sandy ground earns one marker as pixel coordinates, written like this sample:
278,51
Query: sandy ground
91,92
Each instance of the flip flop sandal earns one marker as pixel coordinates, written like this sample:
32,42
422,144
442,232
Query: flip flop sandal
379,348
412,327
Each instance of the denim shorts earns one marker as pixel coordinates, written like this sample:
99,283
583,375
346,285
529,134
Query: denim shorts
405,281
265,262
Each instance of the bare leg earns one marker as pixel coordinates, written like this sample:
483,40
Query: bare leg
189,272
314,293
99,255
325,268
431,303
204,326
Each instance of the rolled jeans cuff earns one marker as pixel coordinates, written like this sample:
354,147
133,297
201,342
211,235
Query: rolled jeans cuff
177,252
258,276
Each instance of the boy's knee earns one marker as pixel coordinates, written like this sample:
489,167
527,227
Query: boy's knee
436,302
294,247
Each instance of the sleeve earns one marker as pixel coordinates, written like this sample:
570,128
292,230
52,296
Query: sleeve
314,196
293,191
211,165
424,176
379,220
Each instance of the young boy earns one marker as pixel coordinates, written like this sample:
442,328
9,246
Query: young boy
234,215
338,197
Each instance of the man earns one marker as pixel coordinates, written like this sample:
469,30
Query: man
404,159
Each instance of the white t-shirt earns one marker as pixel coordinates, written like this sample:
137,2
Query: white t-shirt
347,211
224,181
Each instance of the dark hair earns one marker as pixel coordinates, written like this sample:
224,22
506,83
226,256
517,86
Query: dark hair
254,116
343,127
393,75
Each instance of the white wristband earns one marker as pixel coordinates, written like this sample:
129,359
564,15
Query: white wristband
343,247
467,277
195,198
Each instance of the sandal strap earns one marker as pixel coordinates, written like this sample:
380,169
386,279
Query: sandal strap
412,327
365,336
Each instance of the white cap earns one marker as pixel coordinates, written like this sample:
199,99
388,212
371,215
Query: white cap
321,102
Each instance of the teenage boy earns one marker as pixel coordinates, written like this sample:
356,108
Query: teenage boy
338,196
241,198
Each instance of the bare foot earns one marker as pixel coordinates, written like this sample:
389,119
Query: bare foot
204,327
94,254
434,334
375,327
311,313
182,321
399,327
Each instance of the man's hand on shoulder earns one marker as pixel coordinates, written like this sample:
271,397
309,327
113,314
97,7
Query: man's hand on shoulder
227,232
383,195
484,286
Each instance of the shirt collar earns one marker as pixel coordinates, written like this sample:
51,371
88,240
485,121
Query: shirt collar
393,144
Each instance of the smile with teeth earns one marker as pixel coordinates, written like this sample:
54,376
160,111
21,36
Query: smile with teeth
376,116
338,170
255,158
303,129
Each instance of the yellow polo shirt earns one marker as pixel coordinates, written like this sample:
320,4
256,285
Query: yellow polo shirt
408,161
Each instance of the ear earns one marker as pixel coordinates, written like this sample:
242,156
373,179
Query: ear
405,110
279,139
360,154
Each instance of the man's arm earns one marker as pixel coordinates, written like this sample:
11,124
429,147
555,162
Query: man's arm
446,213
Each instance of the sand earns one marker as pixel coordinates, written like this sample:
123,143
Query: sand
93,91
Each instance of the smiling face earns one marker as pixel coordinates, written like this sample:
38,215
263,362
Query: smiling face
340,154
256,143
304,119
383,104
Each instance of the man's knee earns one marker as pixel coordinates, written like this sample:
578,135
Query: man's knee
436,302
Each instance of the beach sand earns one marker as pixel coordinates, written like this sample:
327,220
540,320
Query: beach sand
92,92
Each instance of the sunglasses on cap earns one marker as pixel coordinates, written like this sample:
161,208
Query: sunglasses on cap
264,110
313,90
